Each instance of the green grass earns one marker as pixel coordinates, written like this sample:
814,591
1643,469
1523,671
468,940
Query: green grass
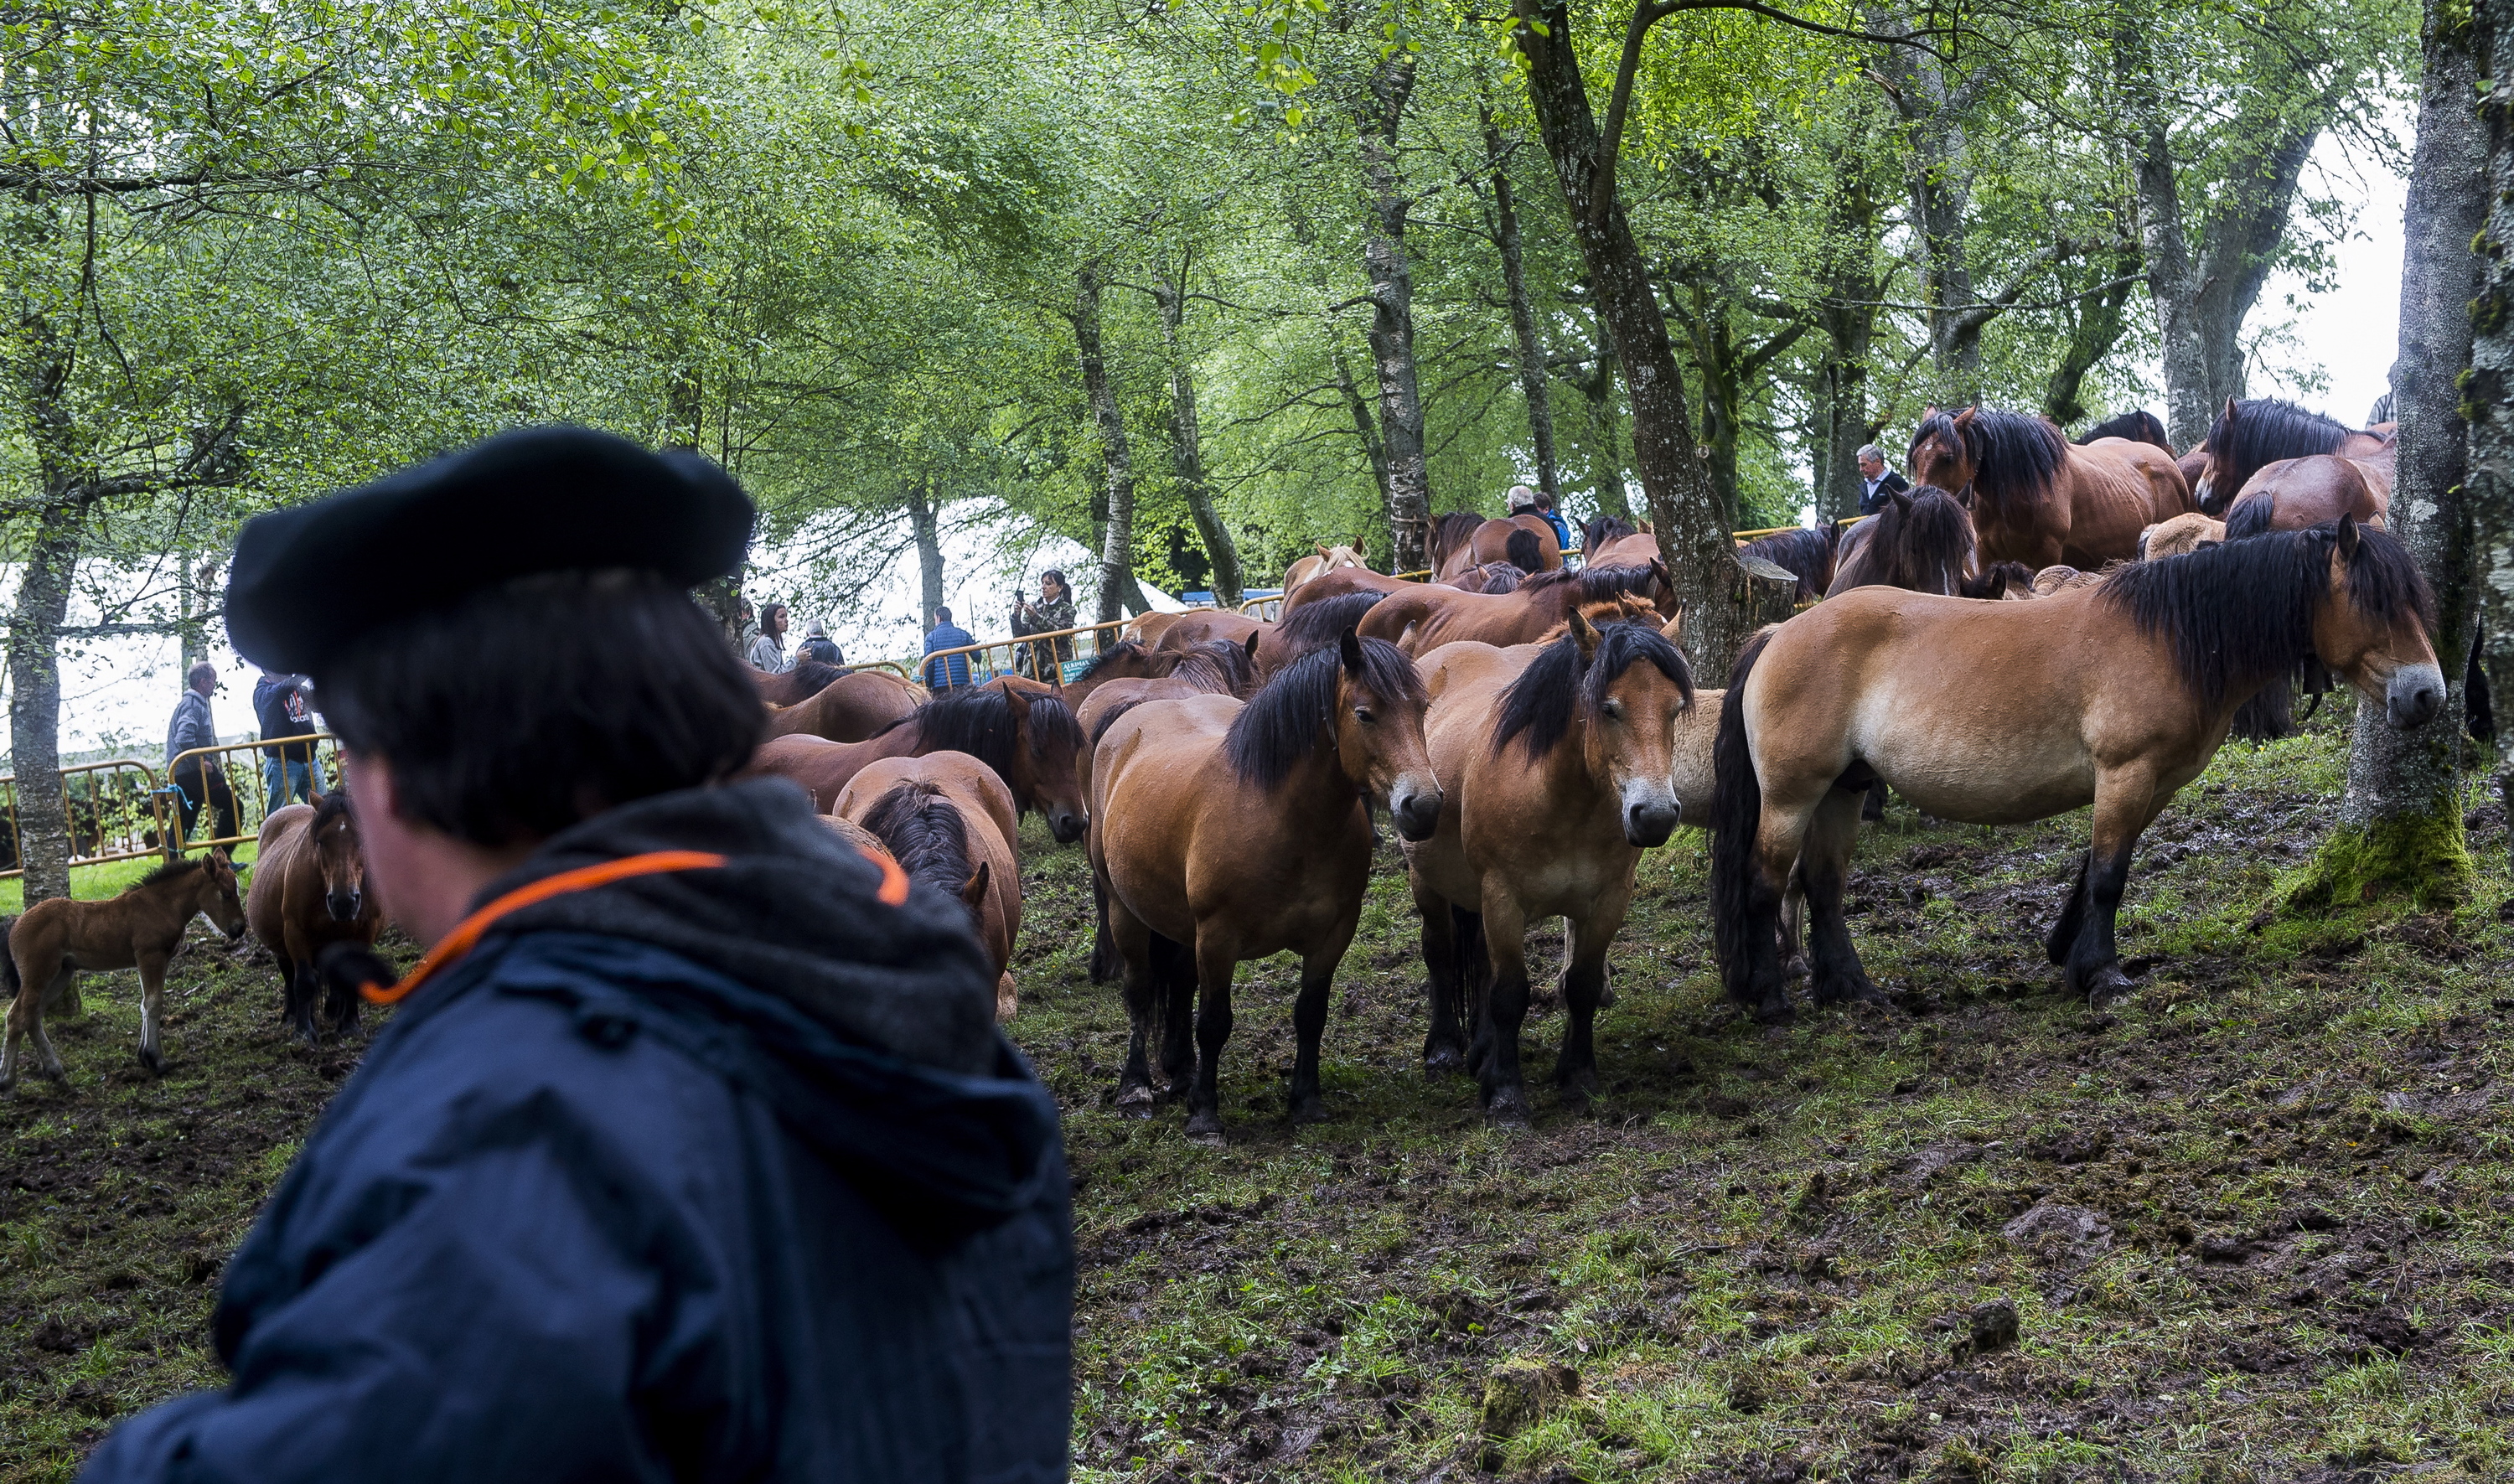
2292,1134
94,883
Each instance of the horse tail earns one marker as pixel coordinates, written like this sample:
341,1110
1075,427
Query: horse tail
1173,987
1523,550
9,982
2251,517
1736,819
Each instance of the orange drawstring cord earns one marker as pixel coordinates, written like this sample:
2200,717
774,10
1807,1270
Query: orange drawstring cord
584,878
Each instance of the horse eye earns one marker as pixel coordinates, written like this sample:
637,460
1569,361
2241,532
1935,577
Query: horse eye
1363,715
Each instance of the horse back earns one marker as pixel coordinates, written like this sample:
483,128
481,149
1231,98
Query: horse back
276,855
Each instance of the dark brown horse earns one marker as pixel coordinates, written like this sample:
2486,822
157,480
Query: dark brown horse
849,708
1921,540
1610,541
2255,433
1462,538
2293,494
949,822
309,892
1424,617
1031,742
58,940
794,686
1809,554
1225,832
2139,426
2040,500
2115,694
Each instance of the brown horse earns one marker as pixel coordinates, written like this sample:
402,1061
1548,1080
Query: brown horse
2116,695
1211,625
1226,831
1811,555
1491,576
58,940
2038,499
1462,538
948,822
1125,660
1313,626
1031,742
2252,435
849,708
2139,426
1556,771
794,686
1922,539
2295,493
1610,541
1424,617
1329,559
309,892
1341,582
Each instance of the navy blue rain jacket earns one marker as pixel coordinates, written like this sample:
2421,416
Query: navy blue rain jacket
719,1175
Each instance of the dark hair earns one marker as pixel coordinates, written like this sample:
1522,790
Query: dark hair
527,708
979,720
1523,549
770,612
942,615
1294,716
2139,426
2262,431
1602,529
1451,531
925,835
1537,709
201,670
2014,456
1319,623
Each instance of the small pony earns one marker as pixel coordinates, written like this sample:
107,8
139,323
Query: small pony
309,892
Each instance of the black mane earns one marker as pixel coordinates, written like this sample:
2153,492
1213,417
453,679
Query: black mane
2264,430
2139,426
1294,716
1536,710
2015,457
1126,647
1217,666
1318,621
2241,615
1809,553
181,865
1523,549
925,833
1602,529
1593,585
1923,542
329,807
980,722
1451,531
814,676
1492,578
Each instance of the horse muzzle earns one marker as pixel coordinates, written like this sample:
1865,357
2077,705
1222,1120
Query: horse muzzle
1417,811
1650,816
1066,825
2414,695
343,905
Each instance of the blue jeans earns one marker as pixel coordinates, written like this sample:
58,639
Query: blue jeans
278,786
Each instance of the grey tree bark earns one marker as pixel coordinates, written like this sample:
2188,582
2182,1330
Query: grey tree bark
1117,528
1187,453
1939,168
2488,399
1366,430
1392,313
35,699
1847,316
2399,823
1596,387
924,529
1533,383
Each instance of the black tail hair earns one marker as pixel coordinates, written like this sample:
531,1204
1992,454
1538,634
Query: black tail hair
9,982
1736,819
1524,551
2255,514
1474,963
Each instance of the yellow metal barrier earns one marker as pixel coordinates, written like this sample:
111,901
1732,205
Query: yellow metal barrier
114,811
1042,647
228,764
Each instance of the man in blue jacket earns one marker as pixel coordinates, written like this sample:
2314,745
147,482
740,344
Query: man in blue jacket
692,1151
952,670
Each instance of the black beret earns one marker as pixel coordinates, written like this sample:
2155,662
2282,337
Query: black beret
308,581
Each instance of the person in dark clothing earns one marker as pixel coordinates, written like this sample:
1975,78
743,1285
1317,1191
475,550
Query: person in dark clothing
692,1150
1878,484
280,707
198,782
818,645
952,670
1052,613
1523,501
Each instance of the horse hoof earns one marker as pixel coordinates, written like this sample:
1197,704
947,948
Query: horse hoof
1507,1109
2105,984
1606,998
1444,1061
155,1063
1843,989
1774,1011
1309,1109
1135,1100
1204,1127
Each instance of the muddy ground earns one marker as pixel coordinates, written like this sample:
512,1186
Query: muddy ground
2252,1222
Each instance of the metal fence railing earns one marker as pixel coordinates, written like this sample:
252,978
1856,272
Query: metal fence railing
114,809
1058,653
246,796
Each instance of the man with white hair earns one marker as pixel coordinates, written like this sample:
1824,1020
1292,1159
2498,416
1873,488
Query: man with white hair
1877,482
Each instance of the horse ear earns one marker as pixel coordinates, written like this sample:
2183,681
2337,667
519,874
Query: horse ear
1673,627
1658,570
1965,418
1584,636
975,893
2230,409
2347,538
1322,549
1255,636
2207,545
1349,647
1017,703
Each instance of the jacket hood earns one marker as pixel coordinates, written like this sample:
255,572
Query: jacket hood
869,1026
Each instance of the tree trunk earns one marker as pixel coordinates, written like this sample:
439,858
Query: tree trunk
1606,453
35,700
1367,430
925,528
2101,319
1941,172
1118,534
1532,382
1847,316
1724,604
1392,314
1187,455
1714,363
2488,398
2400,821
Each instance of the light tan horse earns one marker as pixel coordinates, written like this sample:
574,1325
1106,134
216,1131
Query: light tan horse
309,892
2002,713
58,940
1208,626
849,708
1329,559
1556,769
1225,832
949,823
2168,537
2038,499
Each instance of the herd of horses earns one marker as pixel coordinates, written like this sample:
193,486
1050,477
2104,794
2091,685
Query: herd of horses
1526,728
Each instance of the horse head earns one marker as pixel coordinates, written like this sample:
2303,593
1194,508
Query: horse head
1940,454
2371,623
219,899
1378,720
1633,686
1046,743
339,857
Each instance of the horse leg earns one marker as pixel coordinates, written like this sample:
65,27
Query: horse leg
299,1006
1444,1045
2073,916
1505,1010
25,1015
152,1000
340,1004
2124,803
1214,966
1310,1022
1143,996
1474,985
1794,964
1824,866
1106,965
1584,983
1874,810
1174,980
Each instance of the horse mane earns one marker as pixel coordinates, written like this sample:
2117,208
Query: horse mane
1217,666
980,722
1126,647
331,806
925,833
2139,426
1536,710
1592,585
815,675
1805,552
1290,718
1602,529
1451,531
1319,623
1924,543
2251,517
1496,579
2000,579
2015,457
2241,615
2266,429
181,865
1523,549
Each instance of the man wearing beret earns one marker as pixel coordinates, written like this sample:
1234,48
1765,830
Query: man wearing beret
692,1150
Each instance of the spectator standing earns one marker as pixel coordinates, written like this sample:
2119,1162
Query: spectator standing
952,671
818,645
1545,509
280,708
191,727
1877,482
1051,614
768,651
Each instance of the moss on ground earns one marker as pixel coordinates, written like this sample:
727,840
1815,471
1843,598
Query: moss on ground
2422,857
2254,1221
